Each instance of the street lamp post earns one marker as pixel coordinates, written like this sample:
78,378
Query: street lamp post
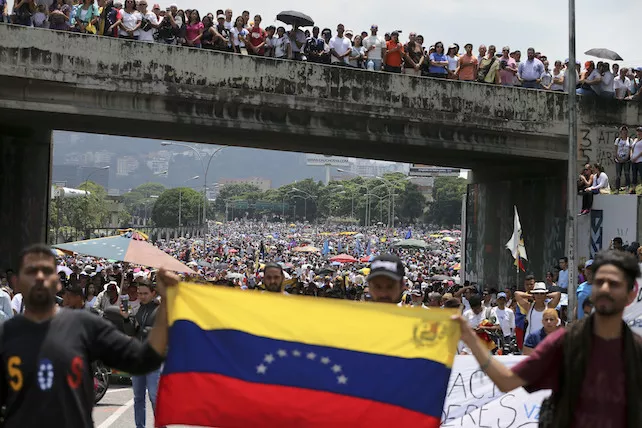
87,195
294,189
205,171
391,195
571,199
180,201
367,213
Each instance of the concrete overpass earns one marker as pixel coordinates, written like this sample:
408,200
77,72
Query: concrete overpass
66,81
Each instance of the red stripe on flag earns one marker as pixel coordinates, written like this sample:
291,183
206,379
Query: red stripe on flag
214,400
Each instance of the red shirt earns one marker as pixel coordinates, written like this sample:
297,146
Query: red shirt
257,36
602,397
393,59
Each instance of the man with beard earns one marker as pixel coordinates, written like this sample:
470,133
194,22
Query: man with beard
273,278
593,366
385,281
46,354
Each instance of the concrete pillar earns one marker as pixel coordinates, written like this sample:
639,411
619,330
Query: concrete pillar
25,177
541,203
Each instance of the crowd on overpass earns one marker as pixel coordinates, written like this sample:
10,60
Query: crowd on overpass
139,20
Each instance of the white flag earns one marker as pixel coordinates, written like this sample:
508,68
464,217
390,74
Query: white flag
516,244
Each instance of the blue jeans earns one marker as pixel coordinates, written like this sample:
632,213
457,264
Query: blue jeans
377,64
141,385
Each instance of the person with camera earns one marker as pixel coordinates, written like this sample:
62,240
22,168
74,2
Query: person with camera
148,22
143,322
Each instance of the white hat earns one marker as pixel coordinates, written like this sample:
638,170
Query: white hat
539,288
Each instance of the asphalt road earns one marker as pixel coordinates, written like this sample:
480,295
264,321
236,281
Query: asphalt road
116,409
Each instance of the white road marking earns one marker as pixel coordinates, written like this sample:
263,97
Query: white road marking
117,414
109,391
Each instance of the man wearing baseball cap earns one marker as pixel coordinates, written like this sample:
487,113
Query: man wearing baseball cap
417,299
504,316
385,281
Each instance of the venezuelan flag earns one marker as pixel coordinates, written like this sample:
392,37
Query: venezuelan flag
251,359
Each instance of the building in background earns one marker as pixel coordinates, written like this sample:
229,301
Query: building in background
423,176
75,175
262,183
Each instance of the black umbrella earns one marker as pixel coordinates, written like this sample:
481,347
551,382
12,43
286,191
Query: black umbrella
293,17
604,53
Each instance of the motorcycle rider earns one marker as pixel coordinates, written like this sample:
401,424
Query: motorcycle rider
45,369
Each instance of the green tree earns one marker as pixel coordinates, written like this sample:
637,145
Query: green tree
139,201
412,203
75,217
446,207
233,191
166,209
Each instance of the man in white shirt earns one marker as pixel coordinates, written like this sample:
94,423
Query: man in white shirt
476,314
340,47
150,22
375,46
622,85
297,40
228,20
505,316
606,84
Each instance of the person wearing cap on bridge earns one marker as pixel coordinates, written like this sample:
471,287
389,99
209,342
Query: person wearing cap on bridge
536,301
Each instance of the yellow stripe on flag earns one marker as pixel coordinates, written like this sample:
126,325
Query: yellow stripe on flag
374,328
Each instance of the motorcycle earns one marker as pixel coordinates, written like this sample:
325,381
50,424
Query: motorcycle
101,380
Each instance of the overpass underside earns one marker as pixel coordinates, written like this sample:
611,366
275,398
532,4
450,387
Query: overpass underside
65,81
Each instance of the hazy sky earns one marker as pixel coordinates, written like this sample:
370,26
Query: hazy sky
542,24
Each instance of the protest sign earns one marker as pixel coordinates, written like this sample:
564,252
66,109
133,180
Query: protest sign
473,401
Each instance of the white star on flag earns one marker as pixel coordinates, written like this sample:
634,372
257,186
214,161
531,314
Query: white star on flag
269,358
261,369
336,368
311,356
342,380
282,353
325,360
296,353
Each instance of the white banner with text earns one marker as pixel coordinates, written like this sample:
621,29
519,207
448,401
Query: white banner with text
472,400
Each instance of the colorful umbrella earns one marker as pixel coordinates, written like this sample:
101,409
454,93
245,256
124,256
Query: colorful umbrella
127,250
64,269
343,258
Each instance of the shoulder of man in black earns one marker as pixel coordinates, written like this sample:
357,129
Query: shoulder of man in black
113,347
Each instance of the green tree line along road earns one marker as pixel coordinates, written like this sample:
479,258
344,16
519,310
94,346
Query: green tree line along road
339,201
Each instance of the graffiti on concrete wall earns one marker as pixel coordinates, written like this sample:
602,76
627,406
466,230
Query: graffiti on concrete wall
596,144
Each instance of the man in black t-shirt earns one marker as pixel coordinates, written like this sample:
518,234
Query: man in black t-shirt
46,354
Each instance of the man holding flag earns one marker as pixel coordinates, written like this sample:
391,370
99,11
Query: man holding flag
268,360
517,249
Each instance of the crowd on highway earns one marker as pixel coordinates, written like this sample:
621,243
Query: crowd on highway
411,267
243,34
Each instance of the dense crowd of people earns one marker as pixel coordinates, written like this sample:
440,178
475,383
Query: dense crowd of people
243,34
411,268
312,260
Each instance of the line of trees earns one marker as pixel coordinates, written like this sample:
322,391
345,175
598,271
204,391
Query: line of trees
308,200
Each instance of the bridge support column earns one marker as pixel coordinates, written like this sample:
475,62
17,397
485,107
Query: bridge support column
25,175
541,203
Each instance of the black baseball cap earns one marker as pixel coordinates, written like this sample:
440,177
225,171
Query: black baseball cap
74,289
387,265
